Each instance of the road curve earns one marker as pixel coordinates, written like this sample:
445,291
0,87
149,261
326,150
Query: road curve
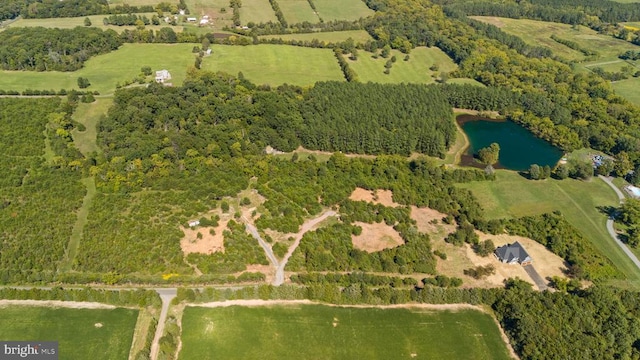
610,228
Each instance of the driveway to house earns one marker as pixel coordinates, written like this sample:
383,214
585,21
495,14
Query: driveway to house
610,228
533,274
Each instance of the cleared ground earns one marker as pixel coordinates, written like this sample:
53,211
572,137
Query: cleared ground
415,70
359,36
257,11
275,64
342,10
82,333
297,11
383,197
214,9
511,195
376,237
324,332
105,71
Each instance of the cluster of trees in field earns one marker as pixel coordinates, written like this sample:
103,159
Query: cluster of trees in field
40,9
130,19
629,215
46,49
574,45
630,55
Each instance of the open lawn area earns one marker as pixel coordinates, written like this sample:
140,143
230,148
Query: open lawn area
96,21
105,71
359,36
275,64
297,11
330,10
511,195
324,332
257,11
415,70
82,333
89,115
629,89
213,8
539,33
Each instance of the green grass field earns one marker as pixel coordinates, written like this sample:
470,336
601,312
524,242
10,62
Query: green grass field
141,2
323,332
75,330
96,21
88,115
257,11
297,11
359,36
539,33
415,70
342,10
105,71
511,195
275,64
629,89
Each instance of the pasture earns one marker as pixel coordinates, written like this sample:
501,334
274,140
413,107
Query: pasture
105,71
297,11
96,21
318,331
511,195
218,10
257,11
350,10
628,89
81,333
275,64
415,70
359,36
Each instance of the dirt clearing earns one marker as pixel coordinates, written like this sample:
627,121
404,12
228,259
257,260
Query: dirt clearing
383,197
205,243
429,221
376,237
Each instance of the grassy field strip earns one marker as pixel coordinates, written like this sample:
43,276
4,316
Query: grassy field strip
76,233
359,36
96,21
331,332
511,195
297,11
257,11
89,115
97,334
342,10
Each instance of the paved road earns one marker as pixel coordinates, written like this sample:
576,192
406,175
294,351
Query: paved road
166,294
533,274
610,228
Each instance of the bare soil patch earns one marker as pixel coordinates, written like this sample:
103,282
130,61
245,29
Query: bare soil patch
490,114
207,244
376,237
383,197
429,221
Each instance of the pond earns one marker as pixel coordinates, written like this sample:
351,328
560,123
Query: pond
519,148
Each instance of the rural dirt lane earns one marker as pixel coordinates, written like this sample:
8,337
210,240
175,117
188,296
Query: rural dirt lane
610,228
166,294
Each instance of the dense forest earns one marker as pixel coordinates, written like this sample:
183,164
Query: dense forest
45,49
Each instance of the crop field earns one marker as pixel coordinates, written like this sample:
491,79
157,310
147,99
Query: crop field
342,10
415,70
257,11
275,64
511,195
359,36
297,11
539,33
96,21
316,331
105,71
81,333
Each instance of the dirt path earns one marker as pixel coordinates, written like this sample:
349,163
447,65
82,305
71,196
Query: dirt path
78,227
57,303
166,295
450,307
280,265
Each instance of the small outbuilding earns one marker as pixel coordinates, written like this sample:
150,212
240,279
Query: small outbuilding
513,254
194,223
162,76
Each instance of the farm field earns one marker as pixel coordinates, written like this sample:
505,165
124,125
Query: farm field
141,2
359,36
342,10
82,333
628,89
313,331
415,70
297,11
105,71
539,33
275,64
257,11
212,8
96,21
511,195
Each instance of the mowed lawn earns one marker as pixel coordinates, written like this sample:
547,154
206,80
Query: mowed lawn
359,36
324,332
297,11
342,9
415,70
97,334
511,195
257,11
105,71
275,64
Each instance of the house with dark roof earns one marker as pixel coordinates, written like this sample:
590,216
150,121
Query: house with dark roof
513,254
